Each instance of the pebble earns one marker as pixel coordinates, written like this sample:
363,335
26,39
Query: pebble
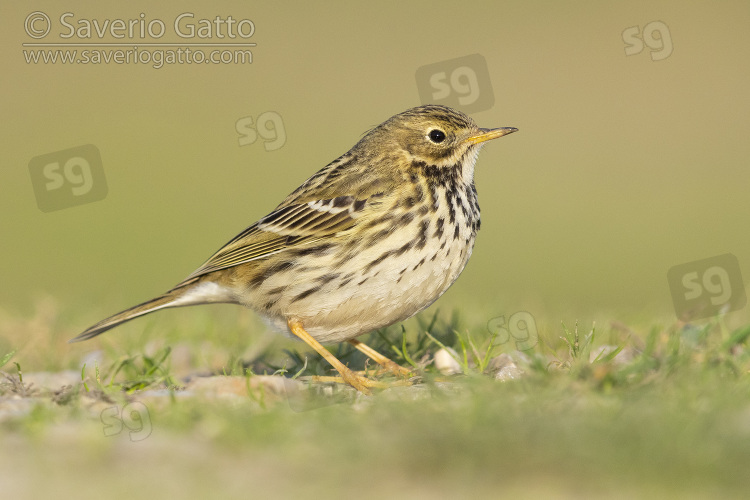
503,367
445,361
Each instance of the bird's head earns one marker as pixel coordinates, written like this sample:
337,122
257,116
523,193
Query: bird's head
432,134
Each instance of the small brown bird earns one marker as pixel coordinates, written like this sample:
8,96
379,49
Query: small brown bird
373,238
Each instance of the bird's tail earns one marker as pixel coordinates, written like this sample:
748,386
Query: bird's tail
176,297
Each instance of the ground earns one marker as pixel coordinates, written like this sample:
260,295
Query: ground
590,410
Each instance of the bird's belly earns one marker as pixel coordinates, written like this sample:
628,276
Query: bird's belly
384,290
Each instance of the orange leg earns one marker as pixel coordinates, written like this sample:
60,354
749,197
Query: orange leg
358,382
380,359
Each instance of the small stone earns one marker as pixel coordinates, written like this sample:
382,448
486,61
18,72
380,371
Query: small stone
503,368
445,361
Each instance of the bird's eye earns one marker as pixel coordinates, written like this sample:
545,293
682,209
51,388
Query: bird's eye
436,136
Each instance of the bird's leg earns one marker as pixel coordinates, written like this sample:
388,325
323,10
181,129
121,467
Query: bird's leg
380,359
358,382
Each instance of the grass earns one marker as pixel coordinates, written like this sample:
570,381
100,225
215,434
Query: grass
617,411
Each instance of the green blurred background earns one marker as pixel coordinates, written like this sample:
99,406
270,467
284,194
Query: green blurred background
624,166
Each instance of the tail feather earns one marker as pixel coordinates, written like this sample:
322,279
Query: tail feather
161,302
194,291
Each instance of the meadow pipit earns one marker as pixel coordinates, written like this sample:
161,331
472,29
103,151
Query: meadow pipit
373,238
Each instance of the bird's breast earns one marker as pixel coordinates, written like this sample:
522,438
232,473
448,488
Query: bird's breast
380,272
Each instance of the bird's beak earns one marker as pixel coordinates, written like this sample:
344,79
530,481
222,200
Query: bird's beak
490,133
